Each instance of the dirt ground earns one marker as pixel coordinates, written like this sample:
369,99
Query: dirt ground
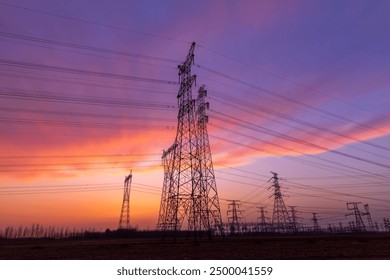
260,247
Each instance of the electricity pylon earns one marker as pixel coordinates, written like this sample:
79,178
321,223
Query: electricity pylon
316,226
294,218
208,202
358,225
386,222
234,216
281,221
189,193
163,222
124,219
262,220
371,226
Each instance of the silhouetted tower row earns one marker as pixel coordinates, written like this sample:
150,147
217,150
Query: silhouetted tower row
281,221
124,219
234,216
189,193
358,225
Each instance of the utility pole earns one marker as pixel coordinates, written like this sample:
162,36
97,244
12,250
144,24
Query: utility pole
358,224
124,219
234,216
281,221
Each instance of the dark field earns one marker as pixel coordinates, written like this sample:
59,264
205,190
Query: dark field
265,247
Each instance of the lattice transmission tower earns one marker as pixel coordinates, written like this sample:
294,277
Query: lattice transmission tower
209,201
371,226
189,193
281,221
262,220
316,226
294,217
386,223
234,217
358,225
124,219
165,221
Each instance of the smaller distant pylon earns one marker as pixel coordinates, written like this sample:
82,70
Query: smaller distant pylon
124,219
234,217
281,221
358,224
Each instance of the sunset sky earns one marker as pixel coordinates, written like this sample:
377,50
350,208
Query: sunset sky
88,92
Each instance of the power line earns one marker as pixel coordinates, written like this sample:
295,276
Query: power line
77,156
271,132
89,115
75,163
84,100
288,99
95,23
245,105
53,68
298,185
55,79
83,125
289,158
287,80
85,47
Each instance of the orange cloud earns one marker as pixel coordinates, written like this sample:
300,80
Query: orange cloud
116,153
240,145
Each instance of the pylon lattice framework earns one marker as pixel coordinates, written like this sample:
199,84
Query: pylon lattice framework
262,220
124,219
293,217
189,192
359,225
316,226
234,217
371,226
281,221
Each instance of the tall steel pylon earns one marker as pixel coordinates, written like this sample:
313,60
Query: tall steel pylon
359,225
124,219
189,191
281,221
209,201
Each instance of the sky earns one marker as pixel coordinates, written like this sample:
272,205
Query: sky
88,92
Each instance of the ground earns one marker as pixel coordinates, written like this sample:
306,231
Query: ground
251,247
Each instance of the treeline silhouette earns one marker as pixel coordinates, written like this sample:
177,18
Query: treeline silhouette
37,231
